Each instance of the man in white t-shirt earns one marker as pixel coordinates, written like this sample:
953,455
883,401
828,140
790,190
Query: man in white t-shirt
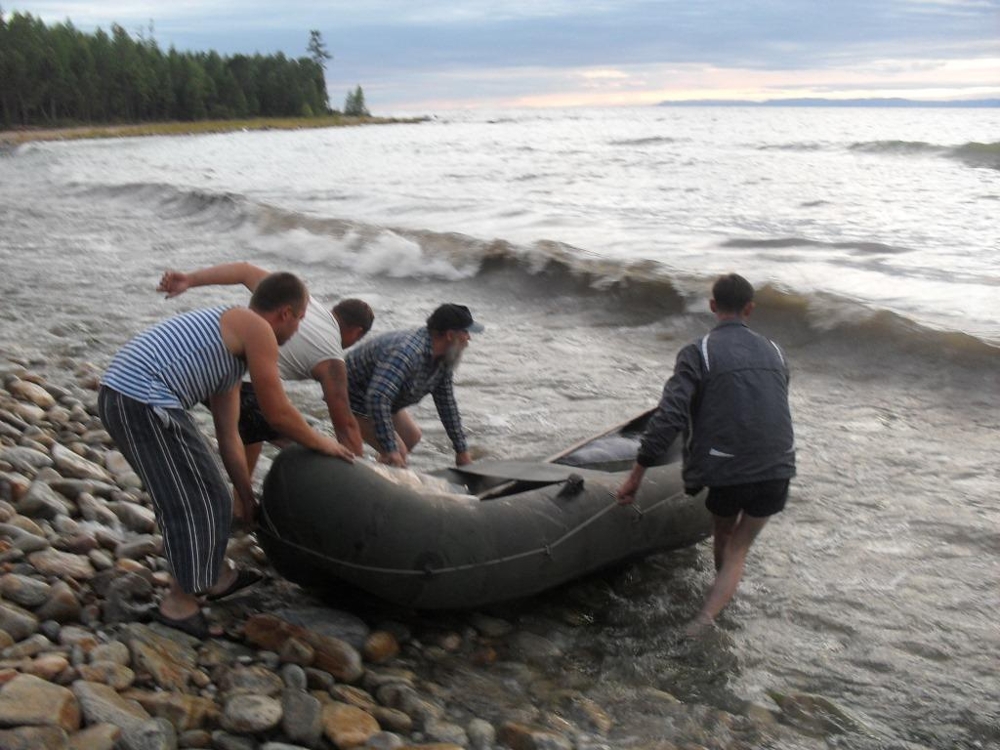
316,352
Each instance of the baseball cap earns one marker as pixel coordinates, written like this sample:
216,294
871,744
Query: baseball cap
452,317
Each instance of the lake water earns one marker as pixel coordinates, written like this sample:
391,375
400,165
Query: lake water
586,241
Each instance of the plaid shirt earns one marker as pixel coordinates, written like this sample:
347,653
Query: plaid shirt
394,370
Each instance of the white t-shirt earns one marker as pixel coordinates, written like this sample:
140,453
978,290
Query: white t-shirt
317,340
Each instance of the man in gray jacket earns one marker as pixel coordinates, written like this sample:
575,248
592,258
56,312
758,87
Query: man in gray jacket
729,397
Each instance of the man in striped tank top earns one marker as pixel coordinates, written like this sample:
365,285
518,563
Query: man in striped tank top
143,401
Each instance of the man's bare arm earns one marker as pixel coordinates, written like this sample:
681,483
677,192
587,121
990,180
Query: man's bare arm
225,413
248,335
331,374
174,283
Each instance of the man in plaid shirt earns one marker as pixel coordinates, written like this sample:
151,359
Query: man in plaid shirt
387,373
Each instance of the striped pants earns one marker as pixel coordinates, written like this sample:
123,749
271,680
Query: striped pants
191,499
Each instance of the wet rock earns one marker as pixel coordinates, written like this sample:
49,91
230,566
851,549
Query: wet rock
30,700
116,463
33,738
384,741
392,719
41,501
47,667
302,717
100,559
379,647
294,676
118,676
92,510
97,737
30,413
347,726
62,604
115,652
138,548
816,714
333,623
183,711
251,714
167,655
353,696
445,731
75,636
225,741
332,654
29,647
534,648
134,517
317,679
102,703
491,627
295,651
52,562
127,598
195,738
595,716
17,622
12,488
481,734
32,392
253,680
25,460
155,734
526,737
74,466
24,590
422,711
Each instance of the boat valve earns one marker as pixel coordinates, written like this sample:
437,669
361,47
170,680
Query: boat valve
572,485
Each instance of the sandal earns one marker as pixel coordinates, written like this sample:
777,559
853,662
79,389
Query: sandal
194,625
245,578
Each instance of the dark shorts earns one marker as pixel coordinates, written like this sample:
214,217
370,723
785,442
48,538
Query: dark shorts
253,427
757,499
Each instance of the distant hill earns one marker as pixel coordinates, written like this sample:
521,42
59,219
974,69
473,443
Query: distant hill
893,102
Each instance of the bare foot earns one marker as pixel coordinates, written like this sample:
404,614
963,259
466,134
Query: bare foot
227,579
697,627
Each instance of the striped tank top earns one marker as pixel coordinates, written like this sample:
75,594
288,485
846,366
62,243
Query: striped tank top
177,363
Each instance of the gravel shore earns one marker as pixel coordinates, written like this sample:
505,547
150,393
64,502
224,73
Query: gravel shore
82,666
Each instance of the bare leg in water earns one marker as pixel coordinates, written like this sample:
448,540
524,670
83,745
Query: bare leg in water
731,539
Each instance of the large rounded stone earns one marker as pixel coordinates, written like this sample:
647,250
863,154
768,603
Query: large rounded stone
346,726
251,714
33,701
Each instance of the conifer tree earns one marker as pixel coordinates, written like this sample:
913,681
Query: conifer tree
354,104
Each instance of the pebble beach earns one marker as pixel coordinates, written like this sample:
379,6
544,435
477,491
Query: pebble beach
82,666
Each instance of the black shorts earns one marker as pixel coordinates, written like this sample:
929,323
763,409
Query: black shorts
253,427
757,499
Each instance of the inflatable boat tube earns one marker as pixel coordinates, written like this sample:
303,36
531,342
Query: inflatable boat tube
462,538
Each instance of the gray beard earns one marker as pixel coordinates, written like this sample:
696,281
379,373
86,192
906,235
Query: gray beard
453,356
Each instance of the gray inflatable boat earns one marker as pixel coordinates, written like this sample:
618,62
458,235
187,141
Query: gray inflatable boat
487,532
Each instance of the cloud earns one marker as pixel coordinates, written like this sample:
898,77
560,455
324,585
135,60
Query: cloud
477,52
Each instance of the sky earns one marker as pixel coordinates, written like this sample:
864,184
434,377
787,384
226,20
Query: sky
425,56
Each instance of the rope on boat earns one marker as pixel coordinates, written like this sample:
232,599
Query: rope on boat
545,549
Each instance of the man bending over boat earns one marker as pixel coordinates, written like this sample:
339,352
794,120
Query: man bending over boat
729,396
390,372
145,393
316,352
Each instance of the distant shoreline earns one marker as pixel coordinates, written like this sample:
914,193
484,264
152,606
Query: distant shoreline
15,137
818,102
